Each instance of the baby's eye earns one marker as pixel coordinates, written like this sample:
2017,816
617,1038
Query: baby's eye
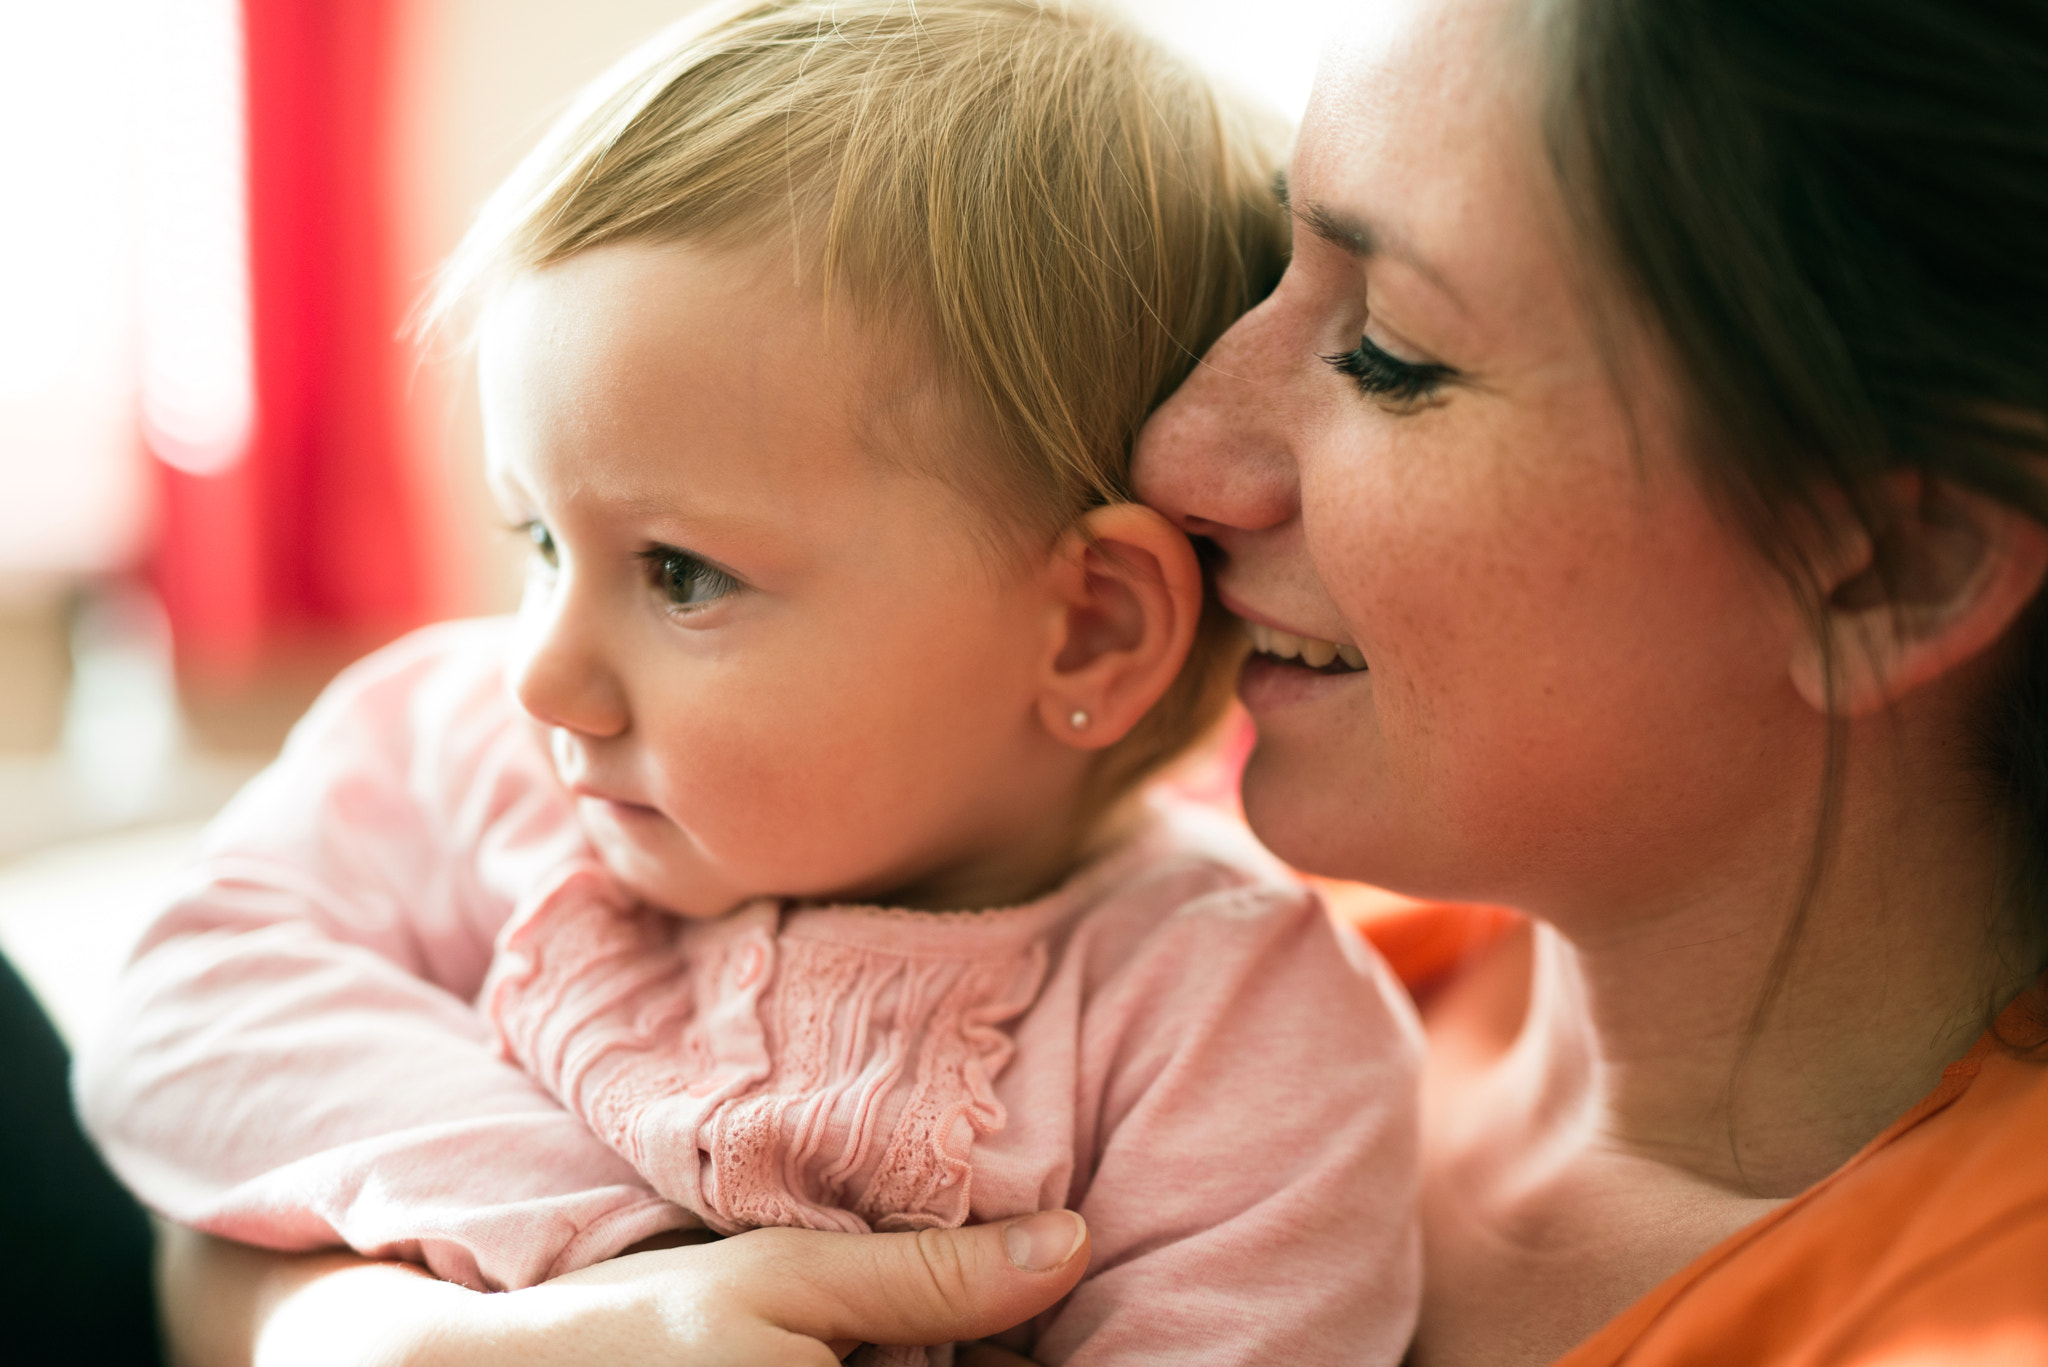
543,541
683,580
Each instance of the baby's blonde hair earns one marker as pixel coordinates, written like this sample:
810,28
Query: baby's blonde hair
1068,214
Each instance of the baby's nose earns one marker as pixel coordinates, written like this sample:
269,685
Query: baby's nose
561,677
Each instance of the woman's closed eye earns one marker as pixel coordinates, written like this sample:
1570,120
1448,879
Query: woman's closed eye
685,581
1382,375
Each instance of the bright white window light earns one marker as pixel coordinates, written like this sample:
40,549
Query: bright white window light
76,500
198,383
1269,48
63,236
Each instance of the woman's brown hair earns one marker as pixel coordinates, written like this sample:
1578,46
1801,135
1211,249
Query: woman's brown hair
1836,211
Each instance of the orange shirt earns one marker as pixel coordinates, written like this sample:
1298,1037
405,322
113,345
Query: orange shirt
1927,1249
1930,1247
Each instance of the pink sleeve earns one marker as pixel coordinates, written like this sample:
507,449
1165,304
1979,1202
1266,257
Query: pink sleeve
295,1061
1252,1194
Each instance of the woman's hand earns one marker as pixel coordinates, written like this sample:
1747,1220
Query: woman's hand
763,1299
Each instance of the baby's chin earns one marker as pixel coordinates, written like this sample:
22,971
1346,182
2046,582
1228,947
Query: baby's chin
663,865
637,847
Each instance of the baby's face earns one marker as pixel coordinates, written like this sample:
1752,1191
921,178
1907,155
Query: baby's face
770,659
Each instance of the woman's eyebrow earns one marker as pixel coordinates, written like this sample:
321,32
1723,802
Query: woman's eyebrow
1340,230
1358,238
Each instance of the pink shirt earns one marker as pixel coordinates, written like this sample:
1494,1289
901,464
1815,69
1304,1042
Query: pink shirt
400,1006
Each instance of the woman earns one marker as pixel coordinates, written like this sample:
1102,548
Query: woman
1656,402
1683,496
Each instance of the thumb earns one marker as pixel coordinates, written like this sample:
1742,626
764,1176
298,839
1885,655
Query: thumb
933,1286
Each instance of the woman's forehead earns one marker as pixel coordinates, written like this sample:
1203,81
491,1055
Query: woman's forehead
1424,137
1437,99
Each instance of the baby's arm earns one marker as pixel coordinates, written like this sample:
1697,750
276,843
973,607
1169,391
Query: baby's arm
767,1298
1253,1195
294,1061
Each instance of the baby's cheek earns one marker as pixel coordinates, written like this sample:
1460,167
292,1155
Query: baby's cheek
776,808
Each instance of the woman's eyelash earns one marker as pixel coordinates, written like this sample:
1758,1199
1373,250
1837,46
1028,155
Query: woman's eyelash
1383,375
685,580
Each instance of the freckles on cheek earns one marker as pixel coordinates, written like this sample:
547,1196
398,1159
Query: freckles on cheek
1489,646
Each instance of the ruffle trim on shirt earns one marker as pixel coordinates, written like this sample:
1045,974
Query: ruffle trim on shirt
761,1069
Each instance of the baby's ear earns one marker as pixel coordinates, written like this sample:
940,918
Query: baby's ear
1128,592
1958,569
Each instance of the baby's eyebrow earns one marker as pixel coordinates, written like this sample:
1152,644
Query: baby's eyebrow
691,521
504,486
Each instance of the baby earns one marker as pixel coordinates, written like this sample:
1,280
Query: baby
785,861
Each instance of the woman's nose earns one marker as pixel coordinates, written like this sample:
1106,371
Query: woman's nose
1214,457
560,672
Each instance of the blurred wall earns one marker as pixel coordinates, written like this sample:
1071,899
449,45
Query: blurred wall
478,82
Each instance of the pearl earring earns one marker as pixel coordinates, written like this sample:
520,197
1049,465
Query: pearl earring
1079,721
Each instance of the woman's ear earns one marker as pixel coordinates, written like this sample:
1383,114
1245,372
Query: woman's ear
1960,568
1128,595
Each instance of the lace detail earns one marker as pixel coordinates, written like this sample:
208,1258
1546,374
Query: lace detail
922,1181
766,1067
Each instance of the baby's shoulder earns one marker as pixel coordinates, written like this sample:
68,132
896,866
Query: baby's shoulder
1197,904
423,675
439,691
424,730
1191,866
1214,957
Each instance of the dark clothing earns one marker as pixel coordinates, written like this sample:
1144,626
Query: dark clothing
74,1246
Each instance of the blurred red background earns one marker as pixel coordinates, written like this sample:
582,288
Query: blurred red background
312,535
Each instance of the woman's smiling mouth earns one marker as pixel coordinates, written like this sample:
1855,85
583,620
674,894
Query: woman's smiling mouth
1287,667
1327,656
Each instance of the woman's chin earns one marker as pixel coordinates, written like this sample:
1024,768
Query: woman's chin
1299,804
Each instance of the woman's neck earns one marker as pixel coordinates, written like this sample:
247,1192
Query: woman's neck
1756,1045
1604,1102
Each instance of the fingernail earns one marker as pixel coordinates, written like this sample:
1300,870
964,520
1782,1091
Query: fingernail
1041,1242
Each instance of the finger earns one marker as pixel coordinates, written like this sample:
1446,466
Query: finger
934,1286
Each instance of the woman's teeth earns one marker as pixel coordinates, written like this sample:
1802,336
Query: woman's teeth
1315,654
